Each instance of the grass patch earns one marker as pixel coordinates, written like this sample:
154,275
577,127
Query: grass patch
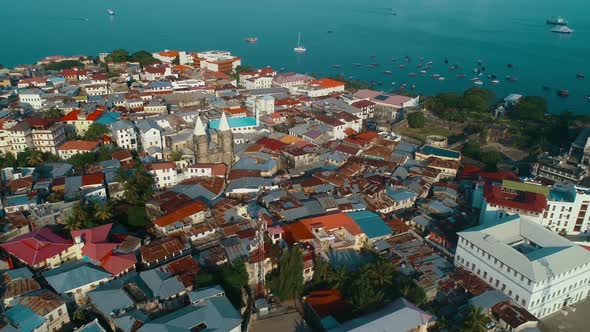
430,128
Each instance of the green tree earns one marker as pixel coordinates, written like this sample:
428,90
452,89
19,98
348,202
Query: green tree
66,64
35,159
416,120
78,218
95,132
176,61
339,277
363,293
233,278
119,55
81,160
144,58
471,149
530,108
53,113
382,271
103,212
138,187
491,158
286,282
321,271
176,155
475,321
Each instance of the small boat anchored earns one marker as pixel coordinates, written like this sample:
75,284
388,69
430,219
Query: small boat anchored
562,29
300,48
556,20
252,39
563,93
111,12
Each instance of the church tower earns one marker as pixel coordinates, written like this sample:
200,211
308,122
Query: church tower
226,141
200,142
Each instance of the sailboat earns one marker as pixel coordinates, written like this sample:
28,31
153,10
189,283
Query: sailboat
111,12
300,48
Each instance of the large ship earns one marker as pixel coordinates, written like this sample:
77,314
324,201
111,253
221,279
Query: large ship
557,20
562,29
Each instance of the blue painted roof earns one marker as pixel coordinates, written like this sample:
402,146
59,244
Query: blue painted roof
24,318
370,223
431,150
17,200
245,121
400,194
108,118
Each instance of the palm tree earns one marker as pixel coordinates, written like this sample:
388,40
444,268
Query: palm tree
77,219
475,321
35,159
382,271
72,224
338,277
102,212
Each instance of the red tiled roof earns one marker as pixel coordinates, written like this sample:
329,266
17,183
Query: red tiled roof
499,176
349,131
37,246
165,247
117,263
327,83
122,155
74,72
94,115
92,179
181,213
79,145
297,232
159,166
271,143
94,234
71,116
327,302
526,200
216,169
333,221
362,103
367,135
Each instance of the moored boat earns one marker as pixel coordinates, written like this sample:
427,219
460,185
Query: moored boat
252,39
478,82
556,20
563,93
579,75
562,29
495,82
387,72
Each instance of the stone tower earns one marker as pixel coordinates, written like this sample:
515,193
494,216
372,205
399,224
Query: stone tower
200,142
225,140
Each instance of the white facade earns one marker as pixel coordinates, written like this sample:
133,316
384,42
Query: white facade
538,269
151,138
567,209
32,97
263,82
125,135
165,175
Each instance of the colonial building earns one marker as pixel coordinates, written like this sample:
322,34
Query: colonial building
217,147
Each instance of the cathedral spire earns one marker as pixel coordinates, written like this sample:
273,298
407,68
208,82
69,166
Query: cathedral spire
199,127
223,123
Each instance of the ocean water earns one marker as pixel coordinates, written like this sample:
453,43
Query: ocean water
497,32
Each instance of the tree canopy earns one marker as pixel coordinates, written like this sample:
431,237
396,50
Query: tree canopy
95,132
143,57
286,282
416,120
66,64
530,108
138,187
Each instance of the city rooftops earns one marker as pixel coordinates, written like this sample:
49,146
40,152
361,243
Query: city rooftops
241,122
522,186
430,150
382,98
530,249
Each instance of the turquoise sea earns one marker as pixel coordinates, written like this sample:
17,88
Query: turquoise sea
497,32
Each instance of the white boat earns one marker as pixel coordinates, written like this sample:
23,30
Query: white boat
300,48
495,82
562,29
111,12
478,82
252,39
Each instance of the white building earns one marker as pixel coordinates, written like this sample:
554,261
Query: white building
150,134
32,97
264,104
72,148
263,82
567,209
218,61
124,134
538,269
165,175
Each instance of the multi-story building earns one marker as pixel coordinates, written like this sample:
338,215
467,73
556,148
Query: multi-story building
80,121
47,134
32,97
559,169
218,61
5,136
72,148
21,137
124,134
164,174
567,209
538,269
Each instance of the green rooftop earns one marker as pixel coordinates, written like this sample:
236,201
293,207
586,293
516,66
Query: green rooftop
520,186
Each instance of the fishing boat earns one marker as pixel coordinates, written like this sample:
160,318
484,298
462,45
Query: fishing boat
556,20
282,69
429,63
419,65
588,97
111,12
546,87
393,60
373,56
435,75
446,60
335,66
441,78
411,74
413,86
474,79
563,93
478,82
461,75
375,65
356,64
387,72
423,72
579,75
300,48
403,85
509,65
511,78
452,68
426,67
402,66
252,39
562,29
495,82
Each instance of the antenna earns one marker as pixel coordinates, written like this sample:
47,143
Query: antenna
261,277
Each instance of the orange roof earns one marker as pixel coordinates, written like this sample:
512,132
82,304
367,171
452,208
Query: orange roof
367,135
349,131
169,54
235,111
71,116
181,213
79,145
94,115
288,139
297,232
327,83
92,179
333,221
181,68
158,166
